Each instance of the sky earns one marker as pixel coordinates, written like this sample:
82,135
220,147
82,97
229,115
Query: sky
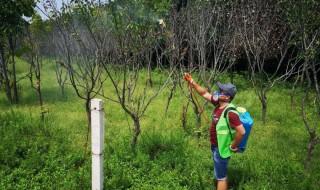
58,5
40,6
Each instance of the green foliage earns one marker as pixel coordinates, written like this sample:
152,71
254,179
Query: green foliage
35,155
161,161
12,12
38,27
302,17
137,21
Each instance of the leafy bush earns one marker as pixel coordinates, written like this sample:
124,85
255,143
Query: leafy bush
35,155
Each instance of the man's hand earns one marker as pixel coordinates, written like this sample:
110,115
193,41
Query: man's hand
234,149
188,77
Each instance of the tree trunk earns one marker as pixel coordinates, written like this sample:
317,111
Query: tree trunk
199,121
170,96
3,59
136,129
231,74
149,79
37,69
249,70
264,109
197,112
292,98
88,112
59,73
303,73
40,97
184,115
292,93
14,77
62,90
5,76
311,147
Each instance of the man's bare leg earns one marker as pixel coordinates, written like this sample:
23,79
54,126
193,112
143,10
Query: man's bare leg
222,184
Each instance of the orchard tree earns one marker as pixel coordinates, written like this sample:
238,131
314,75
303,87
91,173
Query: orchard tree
303,18
113,37
61,75
264,39
83,39
33,55
173,50
310,108
211,36
11,25
133,38
52,48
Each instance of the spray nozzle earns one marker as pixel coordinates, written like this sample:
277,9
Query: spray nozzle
162,23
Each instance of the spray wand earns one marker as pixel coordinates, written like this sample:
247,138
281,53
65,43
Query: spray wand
197,101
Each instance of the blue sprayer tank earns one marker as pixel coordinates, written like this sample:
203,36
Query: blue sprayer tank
247,122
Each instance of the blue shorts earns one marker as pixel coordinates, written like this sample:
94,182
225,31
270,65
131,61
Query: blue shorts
220,164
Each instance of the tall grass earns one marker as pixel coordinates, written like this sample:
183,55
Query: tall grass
50,154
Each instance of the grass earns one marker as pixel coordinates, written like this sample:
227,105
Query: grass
50,154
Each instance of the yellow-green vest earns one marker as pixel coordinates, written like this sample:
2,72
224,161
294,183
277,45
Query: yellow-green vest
223,134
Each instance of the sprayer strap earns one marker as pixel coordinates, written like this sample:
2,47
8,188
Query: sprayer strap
227,118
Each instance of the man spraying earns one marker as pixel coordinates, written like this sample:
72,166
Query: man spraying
226,133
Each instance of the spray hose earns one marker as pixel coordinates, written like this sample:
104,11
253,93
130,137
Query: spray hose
201,110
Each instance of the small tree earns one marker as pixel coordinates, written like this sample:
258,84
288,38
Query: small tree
35,36
211,36
61,75
207,28
311,99
263,39
11,26
125,59
80,48
302,17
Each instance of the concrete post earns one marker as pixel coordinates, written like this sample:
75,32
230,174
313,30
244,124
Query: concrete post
97,137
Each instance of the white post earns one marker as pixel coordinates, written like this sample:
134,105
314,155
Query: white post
97,128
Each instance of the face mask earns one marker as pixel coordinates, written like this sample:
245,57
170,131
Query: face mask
216,95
